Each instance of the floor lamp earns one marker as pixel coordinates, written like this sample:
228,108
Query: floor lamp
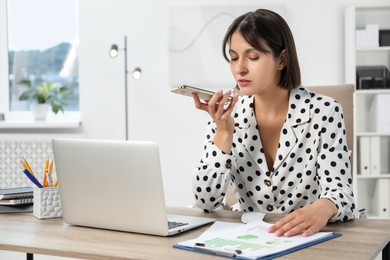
136,75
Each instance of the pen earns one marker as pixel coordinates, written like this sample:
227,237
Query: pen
237,251
216,251
32,178
49,179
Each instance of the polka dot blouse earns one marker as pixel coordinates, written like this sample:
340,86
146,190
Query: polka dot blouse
312,160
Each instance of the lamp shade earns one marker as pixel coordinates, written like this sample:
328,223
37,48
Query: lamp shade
114,50
137,73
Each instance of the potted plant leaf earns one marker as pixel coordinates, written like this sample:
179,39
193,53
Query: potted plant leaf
44,95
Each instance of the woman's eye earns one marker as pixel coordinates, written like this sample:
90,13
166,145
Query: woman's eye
233,59
253,58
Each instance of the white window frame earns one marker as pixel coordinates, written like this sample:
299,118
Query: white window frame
4,89
24,116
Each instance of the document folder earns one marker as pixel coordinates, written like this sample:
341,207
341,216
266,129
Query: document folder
252,241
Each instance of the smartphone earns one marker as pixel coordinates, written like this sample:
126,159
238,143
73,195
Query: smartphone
188,90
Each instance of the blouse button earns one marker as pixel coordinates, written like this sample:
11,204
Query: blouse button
228,165
270,208
268,183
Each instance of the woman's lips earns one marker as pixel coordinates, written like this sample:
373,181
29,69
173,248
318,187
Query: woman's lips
243,82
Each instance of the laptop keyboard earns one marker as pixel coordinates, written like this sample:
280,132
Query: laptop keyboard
173,224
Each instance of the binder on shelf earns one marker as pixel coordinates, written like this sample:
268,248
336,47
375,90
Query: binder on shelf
379,155
364,155
385,155
375,156
381,199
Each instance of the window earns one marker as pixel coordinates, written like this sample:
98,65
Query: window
38,42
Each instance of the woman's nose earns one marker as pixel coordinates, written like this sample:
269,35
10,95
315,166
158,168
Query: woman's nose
241,69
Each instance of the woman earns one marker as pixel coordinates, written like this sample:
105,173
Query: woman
282,148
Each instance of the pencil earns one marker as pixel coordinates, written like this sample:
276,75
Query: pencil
27,166
51,167
45,184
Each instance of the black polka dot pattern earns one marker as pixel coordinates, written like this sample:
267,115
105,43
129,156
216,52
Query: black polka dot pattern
312,161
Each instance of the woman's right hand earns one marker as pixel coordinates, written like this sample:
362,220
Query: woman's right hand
221,114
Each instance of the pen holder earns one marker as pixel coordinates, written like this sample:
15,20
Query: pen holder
47,203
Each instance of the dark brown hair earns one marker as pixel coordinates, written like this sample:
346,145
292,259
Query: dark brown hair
266,27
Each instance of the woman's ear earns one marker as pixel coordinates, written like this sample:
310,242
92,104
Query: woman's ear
282,59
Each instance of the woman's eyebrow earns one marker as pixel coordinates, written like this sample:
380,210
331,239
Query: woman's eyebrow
245,51
232,51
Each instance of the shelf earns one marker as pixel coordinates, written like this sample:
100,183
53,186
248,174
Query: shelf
39,124
384,134
371,7
372,91
25,120
381,176
374,49
371,108
374,216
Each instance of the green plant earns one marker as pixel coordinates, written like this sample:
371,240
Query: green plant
45,93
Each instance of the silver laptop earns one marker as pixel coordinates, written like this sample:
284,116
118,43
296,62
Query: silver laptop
115,185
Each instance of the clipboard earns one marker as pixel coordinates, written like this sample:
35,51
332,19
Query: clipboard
227,243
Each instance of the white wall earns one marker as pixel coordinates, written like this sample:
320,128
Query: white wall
155,113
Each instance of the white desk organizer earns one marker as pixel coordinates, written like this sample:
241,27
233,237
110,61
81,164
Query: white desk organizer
47,203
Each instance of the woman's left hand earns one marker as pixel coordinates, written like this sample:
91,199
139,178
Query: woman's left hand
307,220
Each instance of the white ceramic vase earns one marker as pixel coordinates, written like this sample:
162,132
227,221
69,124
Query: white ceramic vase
40,111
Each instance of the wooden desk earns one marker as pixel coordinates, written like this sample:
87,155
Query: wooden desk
22,232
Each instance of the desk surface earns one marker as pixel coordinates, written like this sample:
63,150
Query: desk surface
22,232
